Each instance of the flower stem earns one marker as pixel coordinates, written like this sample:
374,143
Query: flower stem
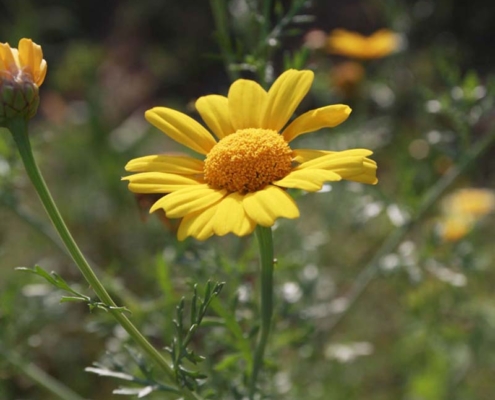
265,243
19,130
39,376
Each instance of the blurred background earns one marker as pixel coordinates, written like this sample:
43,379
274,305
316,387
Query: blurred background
413,319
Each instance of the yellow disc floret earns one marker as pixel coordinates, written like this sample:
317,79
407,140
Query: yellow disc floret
248,160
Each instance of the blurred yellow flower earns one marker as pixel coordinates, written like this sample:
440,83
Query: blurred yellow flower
243,178
22,71
353,44
346,76
462,210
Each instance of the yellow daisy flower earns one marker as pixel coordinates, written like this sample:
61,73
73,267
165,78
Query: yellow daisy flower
22,71
243,178
353,44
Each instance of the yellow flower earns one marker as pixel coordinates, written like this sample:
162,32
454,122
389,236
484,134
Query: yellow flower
243,178
470,201
462,210
346,76
21,73
353,44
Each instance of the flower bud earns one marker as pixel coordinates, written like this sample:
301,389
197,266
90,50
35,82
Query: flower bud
22,71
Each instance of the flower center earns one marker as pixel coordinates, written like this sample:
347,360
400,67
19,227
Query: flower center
248,160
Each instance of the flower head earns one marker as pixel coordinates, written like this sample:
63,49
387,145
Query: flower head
22,71
462,210
242,180
353,44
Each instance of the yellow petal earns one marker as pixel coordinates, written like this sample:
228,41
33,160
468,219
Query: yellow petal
338,159
266,205
159,182
366,173
214,110
247,101
349,164
303,155
183,165
309,179
231,217
325,117
188,200
181,128
39,79
284,96
31,58
8,62
198,224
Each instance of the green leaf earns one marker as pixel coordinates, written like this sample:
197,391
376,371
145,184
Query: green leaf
68,299
228,362
37,270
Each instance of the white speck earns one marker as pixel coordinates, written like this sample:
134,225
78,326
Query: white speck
325,188
433,106
457,93
272,42
446,274
36,289
291,292
345,353
310,272
407,248
371,210
4,167
339,305
389,262
382,95
397,216
244,293
282,382
479,92
434,137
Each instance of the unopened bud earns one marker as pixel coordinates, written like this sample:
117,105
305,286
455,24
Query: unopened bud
22,71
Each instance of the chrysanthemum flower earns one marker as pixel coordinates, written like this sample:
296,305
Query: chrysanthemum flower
243,178
353,44
22,71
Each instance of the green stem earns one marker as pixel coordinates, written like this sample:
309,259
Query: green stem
19,130
265,242
39,376
394,239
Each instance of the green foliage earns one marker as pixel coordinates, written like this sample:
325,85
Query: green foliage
56,280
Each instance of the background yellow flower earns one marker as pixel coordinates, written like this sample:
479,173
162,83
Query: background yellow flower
462,210
353,44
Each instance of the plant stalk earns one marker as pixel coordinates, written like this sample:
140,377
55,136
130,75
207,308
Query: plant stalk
265,242
19,129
